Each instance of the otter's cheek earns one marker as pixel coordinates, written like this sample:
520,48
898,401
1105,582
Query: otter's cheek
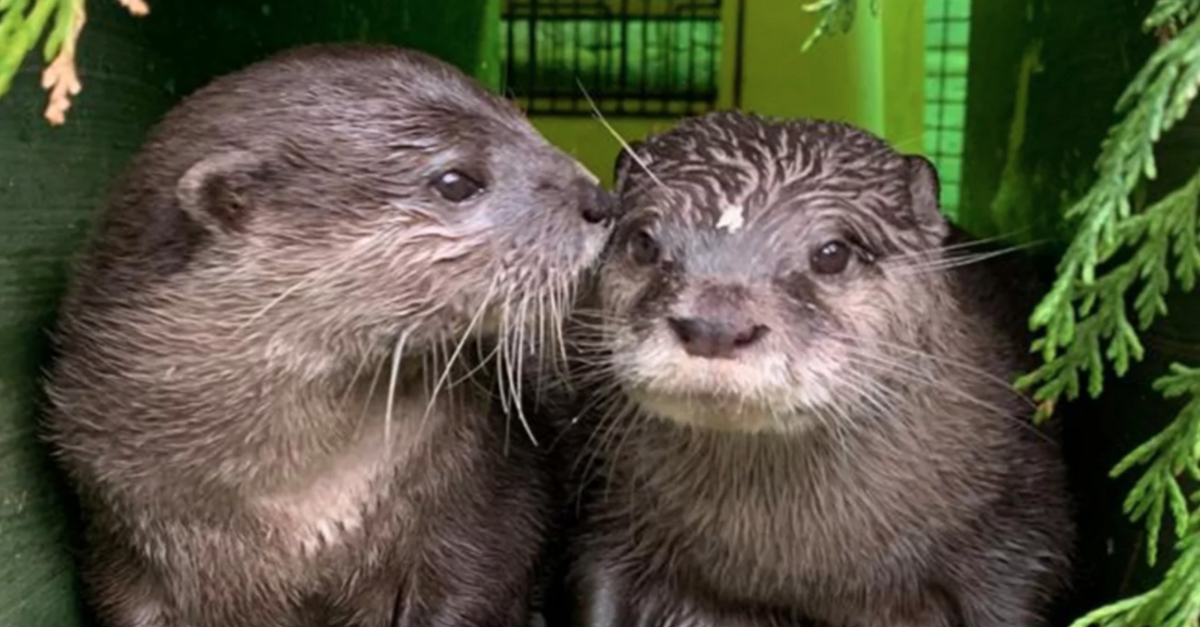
594,239
822,375
616,296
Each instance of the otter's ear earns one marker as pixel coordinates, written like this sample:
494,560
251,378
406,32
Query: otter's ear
624,160
924,191
215,191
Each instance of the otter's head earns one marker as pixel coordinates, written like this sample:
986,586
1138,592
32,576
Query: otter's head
355,194
761,272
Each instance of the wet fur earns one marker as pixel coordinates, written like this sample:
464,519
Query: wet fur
888,475
219,399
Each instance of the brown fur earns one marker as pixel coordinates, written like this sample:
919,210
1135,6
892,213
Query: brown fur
220,398
862,461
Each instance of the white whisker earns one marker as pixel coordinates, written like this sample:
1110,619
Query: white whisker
397,354
624,144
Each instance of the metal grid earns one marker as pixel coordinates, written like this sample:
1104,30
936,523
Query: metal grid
641,58
947,36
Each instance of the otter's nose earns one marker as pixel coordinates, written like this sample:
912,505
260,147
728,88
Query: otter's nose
714,339
597,204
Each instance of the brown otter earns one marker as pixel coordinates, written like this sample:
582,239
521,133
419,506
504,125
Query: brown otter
287,234
802,414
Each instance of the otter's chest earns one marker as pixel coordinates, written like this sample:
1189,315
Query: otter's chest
368,498
335,505
798,532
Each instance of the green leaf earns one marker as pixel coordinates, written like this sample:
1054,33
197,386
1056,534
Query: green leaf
58,34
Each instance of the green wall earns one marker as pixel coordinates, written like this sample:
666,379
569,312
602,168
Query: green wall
51,179
903,56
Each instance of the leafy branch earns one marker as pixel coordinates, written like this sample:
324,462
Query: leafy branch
1086,319
24,22
1157,98
1166,229
1175,602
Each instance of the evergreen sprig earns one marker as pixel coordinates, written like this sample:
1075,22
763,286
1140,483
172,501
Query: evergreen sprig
23,23
1075,329
1175,601
21,26
1164,232
1171,453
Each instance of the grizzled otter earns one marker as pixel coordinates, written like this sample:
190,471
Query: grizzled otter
800,401
288,234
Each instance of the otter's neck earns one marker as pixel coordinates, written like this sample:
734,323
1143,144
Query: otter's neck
239,412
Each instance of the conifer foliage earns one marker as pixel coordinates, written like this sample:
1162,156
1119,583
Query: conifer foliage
23,23
1111,285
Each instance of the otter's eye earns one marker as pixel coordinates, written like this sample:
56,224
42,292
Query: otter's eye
643,248
831,258
456,186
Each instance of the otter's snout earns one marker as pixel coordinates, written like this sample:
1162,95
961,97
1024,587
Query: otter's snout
715,338
597,204
714,322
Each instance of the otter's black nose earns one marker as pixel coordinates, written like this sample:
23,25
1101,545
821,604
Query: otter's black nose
714,339
598,205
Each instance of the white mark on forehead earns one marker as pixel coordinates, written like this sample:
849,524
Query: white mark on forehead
732,218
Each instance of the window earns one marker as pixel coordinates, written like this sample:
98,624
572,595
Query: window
632,57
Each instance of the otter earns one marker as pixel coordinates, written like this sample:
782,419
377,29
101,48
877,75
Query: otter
797,400
276,387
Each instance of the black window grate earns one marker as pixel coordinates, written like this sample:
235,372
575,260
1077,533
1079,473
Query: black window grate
633,57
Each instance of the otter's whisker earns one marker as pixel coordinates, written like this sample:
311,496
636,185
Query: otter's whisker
562,297
624,144
948,263
615,454
312,277
905,373
542,331
466,335
481,363
371,391
522,328
937,359
603,396
605,423
275,301
362,364
502,357
397,354
967,245
615,420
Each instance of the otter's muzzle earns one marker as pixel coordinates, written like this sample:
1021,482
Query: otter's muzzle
596,204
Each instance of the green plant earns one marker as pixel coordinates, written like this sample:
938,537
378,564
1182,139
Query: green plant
1088,324
1086,317
23,23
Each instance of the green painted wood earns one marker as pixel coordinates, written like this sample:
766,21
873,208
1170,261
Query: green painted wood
52,179
1042,82
490,56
